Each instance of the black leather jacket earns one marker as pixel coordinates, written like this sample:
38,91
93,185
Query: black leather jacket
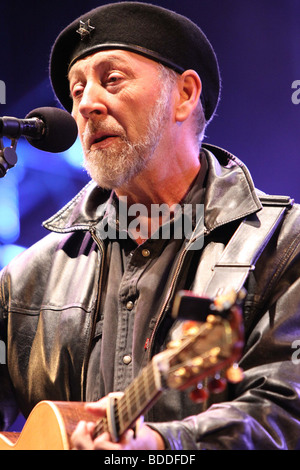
49,299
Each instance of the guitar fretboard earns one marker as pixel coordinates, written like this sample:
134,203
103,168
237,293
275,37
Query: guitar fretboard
137,398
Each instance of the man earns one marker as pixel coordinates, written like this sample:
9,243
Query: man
84,310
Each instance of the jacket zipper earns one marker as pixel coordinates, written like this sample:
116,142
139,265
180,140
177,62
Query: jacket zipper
100,245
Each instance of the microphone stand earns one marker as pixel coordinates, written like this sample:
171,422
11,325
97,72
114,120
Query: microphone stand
8,156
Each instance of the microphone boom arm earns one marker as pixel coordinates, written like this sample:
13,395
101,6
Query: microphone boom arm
8,156
14,128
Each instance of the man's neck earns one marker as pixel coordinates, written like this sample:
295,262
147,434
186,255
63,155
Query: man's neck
166,186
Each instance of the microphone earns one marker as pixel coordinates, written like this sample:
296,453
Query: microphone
49,129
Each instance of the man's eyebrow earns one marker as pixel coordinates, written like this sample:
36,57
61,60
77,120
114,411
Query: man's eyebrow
103,63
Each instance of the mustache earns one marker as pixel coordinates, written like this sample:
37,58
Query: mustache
93,129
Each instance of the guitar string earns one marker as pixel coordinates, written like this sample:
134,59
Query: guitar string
120,407
126,405
132,390
138,385
132,394
123,406
102,426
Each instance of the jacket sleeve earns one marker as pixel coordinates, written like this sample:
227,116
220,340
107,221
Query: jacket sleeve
264,410
8,407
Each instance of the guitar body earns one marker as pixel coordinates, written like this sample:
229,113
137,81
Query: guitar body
205,349
48,427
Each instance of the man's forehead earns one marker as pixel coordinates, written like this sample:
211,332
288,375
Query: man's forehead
111,57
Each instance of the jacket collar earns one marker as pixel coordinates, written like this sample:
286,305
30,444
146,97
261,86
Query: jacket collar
229,195
83,212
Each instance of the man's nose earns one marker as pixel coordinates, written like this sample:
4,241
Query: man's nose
93,101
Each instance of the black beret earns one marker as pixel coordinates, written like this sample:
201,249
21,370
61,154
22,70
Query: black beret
155,32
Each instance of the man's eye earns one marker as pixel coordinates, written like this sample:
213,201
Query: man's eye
114,78
77,91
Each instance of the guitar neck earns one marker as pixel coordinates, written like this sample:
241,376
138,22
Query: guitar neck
204,349
144,390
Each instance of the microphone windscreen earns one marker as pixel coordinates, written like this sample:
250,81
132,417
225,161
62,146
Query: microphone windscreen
60,129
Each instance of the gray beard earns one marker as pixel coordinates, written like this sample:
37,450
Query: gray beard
116,165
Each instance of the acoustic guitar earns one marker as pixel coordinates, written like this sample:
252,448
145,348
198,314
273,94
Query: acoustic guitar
208,350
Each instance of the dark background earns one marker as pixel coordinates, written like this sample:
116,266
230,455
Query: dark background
258,46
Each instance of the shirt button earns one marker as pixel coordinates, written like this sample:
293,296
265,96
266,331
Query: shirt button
127,359
145,252
129,305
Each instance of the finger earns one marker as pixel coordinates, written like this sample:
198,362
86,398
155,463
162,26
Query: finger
100,406
127,439
104,442
81,438
138,425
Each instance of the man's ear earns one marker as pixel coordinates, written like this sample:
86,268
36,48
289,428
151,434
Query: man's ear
189,87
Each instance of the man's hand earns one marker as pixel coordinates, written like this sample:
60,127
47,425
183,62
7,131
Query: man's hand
144,438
